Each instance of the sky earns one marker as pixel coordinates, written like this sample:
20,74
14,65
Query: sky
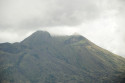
100,21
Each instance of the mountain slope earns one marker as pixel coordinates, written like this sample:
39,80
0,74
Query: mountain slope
42,58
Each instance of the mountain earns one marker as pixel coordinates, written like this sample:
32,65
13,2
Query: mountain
42,58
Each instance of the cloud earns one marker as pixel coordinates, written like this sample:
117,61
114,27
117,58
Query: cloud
101,21
46,13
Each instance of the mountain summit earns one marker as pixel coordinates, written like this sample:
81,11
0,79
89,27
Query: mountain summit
42,58
38,36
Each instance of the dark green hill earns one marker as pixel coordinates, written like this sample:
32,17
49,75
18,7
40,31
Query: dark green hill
42,58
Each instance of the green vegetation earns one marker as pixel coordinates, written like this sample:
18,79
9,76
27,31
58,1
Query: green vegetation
42,58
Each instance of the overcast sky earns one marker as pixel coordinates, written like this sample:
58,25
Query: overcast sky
101,21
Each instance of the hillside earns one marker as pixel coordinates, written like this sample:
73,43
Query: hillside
42,58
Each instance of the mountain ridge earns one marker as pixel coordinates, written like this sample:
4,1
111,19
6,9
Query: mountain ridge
42,58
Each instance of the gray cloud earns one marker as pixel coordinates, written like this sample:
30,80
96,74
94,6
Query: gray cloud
46,13
101,21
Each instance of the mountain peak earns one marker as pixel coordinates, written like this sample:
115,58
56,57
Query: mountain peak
37,37
41,32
